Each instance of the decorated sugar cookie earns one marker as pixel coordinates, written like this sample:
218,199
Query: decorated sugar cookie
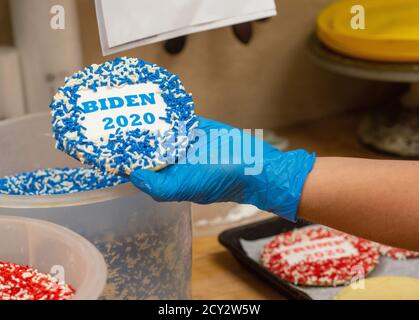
319,256
383,288
123,115
397,253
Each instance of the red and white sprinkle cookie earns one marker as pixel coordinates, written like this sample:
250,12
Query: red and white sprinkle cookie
19,282
397,253
319,256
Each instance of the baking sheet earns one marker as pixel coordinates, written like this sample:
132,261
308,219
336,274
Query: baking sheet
386,267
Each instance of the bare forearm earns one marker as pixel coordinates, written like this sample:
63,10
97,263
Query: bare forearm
374,199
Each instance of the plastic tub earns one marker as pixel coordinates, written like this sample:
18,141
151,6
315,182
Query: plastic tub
146,245
53,249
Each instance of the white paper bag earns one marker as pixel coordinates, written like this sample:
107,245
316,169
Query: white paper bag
126,24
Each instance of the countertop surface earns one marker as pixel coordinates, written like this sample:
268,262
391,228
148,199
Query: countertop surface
216,274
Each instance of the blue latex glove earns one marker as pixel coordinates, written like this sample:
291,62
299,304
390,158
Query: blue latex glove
277,188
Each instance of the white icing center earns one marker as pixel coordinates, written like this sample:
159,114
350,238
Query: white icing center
129,107
317,250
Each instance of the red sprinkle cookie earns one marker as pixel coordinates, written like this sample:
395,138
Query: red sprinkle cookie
19,282
397,253
319,256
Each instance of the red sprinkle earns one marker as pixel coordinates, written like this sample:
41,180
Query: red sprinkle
19,282
319,256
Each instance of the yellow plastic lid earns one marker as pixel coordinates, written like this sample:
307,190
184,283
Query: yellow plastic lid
391,29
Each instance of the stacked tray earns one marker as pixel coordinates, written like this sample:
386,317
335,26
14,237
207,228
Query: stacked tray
391,30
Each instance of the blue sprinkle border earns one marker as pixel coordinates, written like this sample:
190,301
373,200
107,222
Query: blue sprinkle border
57,181
126,150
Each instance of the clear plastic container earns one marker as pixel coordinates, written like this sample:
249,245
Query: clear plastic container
53,249
146,245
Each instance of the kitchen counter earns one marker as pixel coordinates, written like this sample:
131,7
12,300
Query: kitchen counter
216,274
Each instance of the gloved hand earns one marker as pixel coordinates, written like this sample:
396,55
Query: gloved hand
277,188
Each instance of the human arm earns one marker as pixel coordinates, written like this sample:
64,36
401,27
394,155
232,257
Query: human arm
374,199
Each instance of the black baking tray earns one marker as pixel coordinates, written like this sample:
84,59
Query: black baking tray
258,230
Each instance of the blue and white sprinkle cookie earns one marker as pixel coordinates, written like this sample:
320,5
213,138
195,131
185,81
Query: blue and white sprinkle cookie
125,147
57,181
